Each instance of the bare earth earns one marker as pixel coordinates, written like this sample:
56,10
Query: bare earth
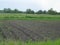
29,29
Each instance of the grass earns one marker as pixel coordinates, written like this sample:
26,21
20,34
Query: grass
49,42
18,16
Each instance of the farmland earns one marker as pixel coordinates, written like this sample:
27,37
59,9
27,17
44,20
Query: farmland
24,27
34,30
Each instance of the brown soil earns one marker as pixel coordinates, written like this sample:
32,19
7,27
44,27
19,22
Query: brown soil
29,29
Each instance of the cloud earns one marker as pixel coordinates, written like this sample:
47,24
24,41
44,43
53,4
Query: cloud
33,4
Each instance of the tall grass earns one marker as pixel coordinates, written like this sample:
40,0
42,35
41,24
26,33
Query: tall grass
8,16
49,42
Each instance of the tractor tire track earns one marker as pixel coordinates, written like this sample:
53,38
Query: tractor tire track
28,32
16,33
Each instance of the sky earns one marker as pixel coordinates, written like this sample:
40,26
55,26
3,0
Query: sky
30,4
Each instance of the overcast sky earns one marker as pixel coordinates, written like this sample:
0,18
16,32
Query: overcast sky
32,4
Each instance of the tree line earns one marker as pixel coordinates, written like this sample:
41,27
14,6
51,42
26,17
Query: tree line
30,11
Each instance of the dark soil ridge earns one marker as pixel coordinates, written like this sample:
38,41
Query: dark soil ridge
29,30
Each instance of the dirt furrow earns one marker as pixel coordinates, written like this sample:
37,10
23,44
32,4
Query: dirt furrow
28,32
35,30
18,33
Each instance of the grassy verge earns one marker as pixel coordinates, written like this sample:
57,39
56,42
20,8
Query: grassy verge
49,42
29,17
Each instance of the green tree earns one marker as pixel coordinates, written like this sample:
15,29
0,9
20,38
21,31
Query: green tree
5,10
51,11
9,10
15,11
39,12
44,12
29,11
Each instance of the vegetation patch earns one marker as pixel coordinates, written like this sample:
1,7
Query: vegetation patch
13,16
49,42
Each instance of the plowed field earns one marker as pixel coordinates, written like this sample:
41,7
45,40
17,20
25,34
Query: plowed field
29,29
